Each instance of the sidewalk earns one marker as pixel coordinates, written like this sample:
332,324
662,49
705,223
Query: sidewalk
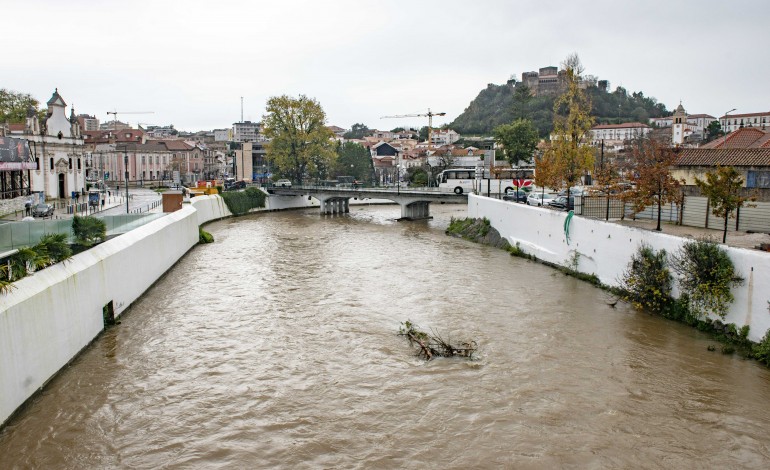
735,239
112,205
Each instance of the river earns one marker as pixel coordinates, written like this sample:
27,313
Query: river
276,347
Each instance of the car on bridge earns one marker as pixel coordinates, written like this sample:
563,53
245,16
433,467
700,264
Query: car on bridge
283,183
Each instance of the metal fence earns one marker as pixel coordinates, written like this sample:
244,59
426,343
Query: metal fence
695,212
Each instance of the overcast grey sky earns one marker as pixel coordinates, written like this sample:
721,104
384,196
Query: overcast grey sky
191,61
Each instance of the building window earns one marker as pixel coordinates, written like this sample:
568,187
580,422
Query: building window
143,159
52,163
79,164
69,163
758,179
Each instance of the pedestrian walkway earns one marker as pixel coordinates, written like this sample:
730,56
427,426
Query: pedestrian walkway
114,204
736,239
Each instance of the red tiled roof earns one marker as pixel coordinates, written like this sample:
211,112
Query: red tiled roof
16,127
744,138
724,157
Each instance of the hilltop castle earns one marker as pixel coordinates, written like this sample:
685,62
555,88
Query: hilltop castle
551,81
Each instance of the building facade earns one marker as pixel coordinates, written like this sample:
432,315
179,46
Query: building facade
733,122
58,150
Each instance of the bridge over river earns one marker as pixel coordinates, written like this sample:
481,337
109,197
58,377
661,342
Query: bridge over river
415,203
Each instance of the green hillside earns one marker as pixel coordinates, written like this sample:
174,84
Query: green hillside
501,104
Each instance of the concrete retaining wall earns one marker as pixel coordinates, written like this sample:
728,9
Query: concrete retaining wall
53,314
606,248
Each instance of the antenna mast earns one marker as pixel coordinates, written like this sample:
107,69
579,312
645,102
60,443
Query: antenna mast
241,108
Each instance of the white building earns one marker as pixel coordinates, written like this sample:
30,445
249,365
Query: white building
58,151
246,131
733,122
614,135
444,137
223,135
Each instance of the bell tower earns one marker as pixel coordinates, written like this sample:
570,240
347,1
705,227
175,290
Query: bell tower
679,125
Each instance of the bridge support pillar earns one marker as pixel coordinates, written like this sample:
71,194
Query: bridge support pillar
416,211
346,206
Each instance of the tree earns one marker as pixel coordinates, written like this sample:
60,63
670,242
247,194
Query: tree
713,131
357,131
519,140
423,136
651,164
300,143
569,152
723,189
88,230
14,106
545,171
417,176
354,160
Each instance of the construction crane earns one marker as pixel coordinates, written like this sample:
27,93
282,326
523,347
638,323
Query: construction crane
429,115
115,115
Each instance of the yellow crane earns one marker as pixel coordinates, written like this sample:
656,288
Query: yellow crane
429,115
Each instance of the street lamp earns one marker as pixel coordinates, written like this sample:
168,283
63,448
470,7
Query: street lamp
125,162
724,136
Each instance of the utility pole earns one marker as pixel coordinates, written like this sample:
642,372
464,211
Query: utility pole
241,109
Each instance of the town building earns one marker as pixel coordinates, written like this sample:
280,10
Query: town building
223,135
57,148
746,149
246,131
88,123
733,122
614,136
444,137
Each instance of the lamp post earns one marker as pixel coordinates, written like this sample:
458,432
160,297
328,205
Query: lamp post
724,136
125,162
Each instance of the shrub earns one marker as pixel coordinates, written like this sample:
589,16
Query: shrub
761,350
88,230
241,202
706,275
55,246
647,280
204,236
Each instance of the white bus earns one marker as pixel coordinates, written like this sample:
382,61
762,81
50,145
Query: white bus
463,180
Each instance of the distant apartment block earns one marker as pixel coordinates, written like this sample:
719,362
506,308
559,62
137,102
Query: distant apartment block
88,123
246,131
444,137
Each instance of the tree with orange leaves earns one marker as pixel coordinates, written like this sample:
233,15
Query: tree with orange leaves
651,163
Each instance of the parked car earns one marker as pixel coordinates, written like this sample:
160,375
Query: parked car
539,199
233,185
283,183
42,210
516,195
561,203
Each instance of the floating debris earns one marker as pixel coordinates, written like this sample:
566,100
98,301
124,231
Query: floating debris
433,345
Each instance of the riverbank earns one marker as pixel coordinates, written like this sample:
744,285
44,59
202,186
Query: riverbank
51,315
603,249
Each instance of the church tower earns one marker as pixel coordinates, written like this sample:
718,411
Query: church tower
679,125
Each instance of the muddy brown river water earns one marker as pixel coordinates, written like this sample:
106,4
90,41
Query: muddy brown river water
276,347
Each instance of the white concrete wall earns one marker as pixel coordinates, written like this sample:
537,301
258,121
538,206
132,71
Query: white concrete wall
54,313
606,248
